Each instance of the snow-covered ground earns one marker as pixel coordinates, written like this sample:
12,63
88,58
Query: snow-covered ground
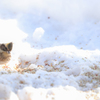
56,52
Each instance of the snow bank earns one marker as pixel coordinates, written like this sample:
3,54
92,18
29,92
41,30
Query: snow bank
56,49
49,94
53,72
6,93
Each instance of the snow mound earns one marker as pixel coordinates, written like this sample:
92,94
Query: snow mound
38,33
6,93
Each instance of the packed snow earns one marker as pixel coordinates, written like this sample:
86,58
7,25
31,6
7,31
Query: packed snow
56,49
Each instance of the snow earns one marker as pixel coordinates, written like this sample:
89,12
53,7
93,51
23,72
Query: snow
38,33
56,52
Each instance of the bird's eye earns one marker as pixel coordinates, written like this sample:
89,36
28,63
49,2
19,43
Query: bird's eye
3,47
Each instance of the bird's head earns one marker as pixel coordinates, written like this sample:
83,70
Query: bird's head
6,47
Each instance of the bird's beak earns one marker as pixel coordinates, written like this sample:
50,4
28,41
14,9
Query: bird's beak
8,52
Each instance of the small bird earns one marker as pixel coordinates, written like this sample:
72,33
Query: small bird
5,55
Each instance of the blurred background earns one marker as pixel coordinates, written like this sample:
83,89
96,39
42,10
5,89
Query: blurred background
46,23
